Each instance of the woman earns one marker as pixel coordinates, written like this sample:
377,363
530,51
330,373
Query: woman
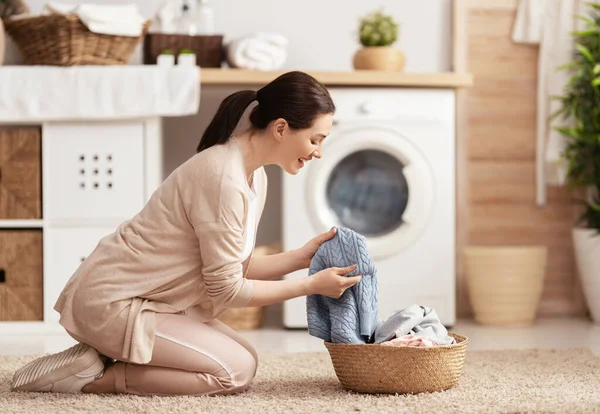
143,305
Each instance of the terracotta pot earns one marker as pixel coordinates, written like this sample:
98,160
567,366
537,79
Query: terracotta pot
505,283
379,58
587,254
2,42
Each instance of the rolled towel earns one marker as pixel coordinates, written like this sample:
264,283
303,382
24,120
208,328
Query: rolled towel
261,51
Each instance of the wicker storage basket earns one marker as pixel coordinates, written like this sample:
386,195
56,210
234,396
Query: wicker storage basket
63,40
382,369
243,318
208,49
250,317
505,283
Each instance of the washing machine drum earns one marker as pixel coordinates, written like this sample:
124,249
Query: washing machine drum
375,182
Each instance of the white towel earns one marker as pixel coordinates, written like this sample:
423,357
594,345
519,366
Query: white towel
121,20
29,94
260,51
549,23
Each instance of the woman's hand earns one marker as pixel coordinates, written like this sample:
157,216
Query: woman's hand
309,249
332,282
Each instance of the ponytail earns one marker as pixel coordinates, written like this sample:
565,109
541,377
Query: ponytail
294,96
226,119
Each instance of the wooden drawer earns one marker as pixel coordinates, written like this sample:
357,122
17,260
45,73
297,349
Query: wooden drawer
21,275
20,173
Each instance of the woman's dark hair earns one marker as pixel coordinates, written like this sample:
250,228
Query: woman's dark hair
294,96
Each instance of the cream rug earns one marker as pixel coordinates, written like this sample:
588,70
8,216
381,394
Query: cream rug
558,381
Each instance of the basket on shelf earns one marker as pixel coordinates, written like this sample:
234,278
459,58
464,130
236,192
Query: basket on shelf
249,317
382,369
63,40
208,48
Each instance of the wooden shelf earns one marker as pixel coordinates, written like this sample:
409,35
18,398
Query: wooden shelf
225,76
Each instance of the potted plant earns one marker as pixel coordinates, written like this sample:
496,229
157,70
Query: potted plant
377,33
580,112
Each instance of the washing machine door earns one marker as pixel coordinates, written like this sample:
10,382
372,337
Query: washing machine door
375,182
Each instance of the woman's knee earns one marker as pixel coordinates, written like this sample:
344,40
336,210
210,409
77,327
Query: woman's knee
239,373
245,369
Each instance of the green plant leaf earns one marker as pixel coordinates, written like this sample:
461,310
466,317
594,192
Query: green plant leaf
587,20
569,132
584,33
569,65
585,52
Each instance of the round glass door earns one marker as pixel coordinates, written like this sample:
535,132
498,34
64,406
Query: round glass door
375,182
368,192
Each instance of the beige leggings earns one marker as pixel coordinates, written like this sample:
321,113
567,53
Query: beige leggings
190,358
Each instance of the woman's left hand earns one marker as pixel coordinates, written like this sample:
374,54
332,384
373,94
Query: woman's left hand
309,249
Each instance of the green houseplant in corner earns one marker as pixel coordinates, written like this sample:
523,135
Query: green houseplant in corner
580,111
377,33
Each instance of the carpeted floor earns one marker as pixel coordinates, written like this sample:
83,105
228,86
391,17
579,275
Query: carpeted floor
556,381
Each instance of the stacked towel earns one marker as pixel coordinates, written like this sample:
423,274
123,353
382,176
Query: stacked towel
418,321
119,20
260,51
352,318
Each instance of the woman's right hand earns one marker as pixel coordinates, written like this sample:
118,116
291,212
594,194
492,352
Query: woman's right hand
331,282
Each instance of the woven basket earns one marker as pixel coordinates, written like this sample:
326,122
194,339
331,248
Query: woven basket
505,283
63,40
208,49
251,317
382,369
243,318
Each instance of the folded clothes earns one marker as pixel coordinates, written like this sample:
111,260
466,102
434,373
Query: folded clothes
416,320
410,340
352,318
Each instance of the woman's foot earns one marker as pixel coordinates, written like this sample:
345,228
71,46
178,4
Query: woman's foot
67,371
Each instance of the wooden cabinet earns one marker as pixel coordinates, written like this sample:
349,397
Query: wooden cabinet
21,275
20,173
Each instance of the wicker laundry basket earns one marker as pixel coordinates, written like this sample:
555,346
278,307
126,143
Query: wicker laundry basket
63,40
382,369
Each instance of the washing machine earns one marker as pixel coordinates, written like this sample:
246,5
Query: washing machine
388,172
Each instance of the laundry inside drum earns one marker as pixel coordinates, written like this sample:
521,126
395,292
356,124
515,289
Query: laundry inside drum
368,192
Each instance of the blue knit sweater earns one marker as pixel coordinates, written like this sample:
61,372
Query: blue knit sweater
353,317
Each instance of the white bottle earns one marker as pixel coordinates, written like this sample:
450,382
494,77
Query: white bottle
205,18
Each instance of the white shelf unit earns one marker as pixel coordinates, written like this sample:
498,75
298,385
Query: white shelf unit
22,224
95,175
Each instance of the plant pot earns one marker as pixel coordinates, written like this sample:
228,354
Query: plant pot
2,42
587,255
379,58
505,283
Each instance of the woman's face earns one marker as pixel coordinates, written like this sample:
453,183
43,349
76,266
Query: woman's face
297,147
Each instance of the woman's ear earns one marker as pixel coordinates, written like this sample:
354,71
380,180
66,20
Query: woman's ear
279,126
